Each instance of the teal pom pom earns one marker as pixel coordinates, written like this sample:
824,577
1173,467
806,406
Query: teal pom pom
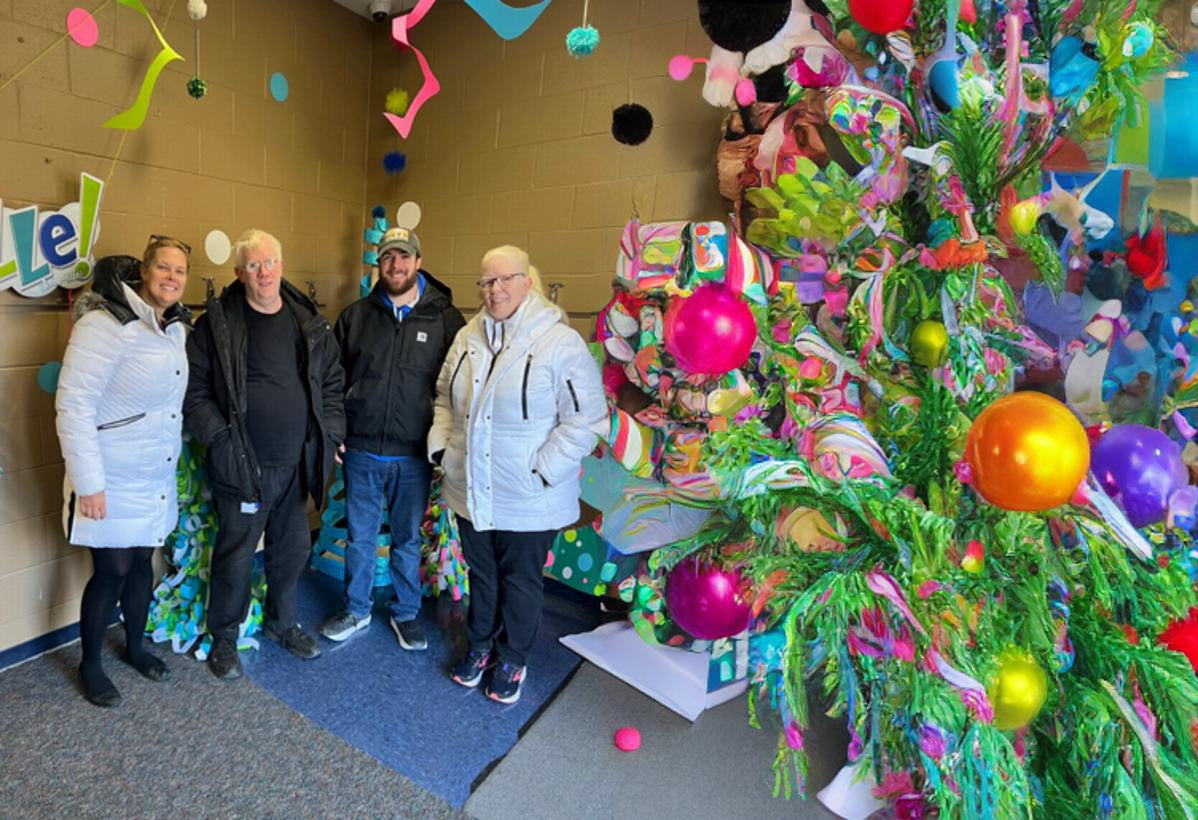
582,41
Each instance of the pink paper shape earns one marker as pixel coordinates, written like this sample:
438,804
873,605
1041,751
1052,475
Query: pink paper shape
82,28
399,33
681,65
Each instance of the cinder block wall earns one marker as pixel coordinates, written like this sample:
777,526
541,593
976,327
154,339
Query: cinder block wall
517,147
233,160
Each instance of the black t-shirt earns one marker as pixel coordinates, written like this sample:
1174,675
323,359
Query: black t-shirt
277,420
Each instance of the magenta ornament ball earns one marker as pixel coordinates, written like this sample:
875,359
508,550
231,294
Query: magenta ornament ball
703,600
710,332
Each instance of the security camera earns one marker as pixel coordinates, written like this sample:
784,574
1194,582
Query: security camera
380,10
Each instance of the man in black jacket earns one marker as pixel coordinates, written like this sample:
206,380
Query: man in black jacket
265,396
392,345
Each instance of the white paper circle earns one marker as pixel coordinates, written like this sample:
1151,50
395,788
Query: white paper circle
217,246
408,215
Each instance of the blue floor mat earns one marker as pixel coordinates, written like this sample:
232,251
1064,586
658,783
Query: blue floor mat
400,707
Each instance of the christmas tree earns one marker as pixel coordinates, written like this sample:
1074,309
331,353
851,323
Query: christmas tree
992,592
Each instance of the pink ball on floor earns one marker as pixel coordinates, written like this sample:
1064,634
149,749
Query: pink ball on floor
627,739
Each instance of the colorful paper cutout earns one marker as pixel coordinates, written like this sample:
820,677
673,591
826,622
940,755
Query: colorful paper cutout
82,28
217,246
430,86
278,86
507,21
132,118
47,377
408,215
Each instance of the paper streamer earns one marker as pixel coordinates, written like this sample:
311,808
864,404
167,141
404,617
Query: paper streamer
430,87
132,118
509,22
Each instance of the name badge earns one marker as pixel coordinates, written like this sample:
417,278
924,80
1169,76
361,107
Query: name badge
249,507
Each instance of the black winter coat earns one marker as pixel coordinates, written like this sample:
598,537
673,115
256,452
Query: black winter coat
216,356
391,368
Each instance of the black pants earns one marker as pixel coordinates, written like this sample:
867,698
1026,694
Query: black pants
282,515
506,588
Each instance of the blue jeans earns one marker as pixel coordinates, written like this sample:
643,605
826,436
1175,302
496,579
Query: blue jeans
401,488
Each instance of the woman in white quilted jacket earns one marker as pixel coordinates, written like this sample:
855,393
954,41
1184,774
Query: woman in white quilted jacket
519,405
119,403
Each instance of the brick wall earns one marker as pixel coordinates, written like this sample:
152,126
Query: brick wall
517,147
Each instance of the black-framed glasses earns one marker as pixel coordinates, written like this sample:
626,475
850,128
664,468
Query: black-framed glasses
157,237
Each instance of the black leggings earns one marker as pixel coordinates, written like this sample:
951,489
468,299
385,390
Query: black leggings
121,573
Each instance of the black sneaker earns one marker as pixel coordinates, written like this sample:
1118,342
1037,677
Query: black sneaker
224,660
410,634
342,625
469,670
295,640
505,683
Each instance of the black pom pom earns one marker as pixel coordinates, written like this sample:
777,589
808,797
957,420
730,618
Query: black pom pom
631,124
740,25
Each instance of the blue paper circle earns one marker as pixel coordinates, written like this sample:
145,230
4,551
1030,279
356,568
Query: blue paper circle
278,86
47,376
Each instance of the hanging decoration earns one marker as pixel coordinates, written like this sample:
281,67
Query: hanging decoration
397,102
509,22
394,162
582,40
400,26
197,10
132,118
631,123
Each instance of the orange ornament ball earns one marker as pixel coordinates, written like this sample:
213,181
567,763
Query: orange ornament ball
1027,452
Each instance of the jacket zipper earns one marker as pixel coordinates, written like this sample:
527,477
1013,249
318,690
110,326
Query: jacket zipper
454,377
573,395
109,425
524,388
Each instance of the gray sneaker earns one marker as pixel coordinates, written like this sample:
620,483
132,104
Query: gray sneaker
342,625
410,634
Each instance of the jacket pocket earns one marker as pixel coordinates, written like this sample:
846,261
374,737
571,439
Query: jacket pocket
224,472
573,396
524,388
454,377
112,425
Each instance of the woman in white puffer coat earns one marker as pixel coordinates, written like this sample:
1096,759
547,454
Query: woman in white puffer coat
519,404
119,401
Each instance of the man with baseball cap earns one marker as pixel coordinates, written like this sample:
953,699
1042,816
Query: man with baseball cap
392,345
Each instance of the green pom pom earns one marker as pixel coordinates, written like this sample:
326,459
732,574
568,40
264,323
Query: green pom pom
196,87
397,102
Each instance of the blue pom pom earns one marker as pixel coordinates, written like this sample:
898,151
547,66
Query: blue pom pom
582,41
394,162
378,212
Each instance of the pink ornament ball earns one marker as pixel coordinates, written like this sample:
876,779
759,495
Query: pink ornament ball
704,600
881,16
710,332
627,739
680,67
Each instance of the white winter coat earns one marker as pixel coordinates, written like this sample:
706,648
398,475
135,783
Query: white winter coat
536,415
120,421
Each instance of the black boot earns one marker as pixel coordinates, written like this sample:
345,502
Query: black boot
97,688
224,660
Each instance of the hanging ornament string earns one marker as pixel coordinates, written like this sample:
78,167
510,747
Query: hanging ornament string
197,10
47,50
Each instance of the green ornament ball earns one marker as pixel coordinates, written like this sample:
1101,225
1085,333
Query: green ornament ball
196,87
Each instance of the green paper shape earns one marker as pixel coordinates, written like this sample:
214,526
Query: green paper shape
132,118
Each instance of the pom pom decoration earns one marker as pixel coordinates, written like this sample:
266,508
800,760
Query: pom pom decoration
881,16
378,212
1027,452
631,124
681,66
704,600
582,41
627,739
710,332
197,88
394,162
1140,467
197,10
397,102
1182,636
1019,690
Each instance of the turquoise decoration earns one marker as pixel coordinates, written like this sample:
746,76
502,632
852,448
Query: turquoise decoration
47,377
582,41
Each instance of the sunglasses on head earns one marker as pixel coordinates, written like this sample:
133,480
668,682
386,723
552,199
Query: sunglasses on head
156,237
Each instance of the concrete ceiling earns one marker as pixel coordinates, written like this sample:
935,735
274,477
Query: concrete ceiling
362,7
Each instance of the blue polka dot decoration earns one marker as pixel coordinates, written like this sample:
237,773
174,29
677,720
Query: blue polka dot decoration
278,86
47,376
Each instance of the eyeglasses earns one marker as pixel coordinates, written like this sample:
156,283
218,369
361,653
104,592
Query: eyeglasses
157,237
502,281
252,268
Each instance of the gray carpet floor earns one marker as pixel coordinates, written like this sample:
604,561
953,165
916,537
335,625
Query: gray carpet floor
190,747
565,766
